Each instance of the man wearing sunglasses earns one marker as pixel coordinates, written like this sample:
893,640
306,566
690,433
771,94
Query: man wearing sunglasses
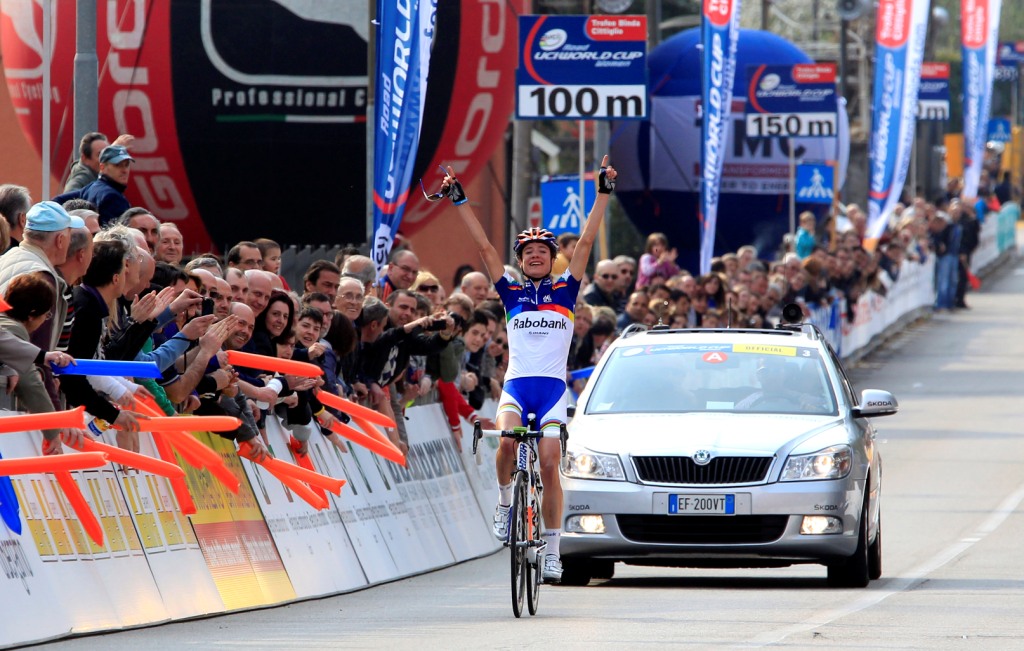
604,290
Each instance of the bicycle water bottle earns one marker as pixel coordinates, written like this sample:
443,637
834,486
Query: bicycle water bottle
97,426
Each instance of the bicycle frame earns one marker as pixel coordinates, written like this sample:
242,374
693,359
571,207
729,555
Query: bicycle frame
524,539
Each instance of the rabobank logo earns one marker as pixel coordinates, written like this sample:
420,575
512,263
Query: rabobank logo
553,39
769,82
541,323
893,27
719,12
974,22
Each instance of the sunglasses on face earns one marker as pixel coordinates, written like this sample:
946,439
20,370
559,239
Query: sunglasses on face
429,288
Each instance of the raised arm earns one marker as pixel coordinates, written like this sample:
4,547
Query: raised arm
492,261
605,185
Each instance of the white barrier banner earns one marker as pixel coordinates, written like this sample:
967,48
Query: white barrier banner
314,546
436,464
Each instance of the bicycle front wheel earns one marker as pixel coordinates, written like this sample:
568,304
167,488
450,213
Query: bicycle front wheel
534,569
518,534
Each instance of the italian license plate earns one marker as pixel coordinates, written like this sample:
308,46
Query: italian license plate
701,504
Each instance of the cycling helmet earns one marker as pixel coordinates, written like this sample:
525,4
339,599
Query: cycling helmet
535,234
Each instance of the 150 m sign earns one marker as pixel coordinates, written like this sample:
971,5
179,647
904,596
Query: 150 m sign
792,101
582,102
582,67
791,125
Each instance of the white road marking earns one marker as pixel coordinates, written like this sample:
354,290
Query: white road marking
912,578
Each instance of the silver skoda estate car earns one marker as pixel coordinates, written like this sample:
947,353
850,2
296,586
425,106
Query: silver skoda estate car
723,448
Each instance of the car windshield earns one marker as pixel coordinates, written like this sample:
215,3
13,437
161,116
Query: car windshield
747,378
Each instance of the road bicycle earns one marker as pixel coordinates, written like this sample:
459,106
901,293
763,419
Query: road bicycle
525,520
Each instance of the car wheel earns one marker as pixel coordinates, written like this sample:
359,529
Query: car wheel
603,569
875,553
853,572
576,571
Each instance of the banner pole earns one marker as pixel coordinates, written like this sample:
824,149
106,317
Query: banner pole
792,190
371,73
47,60
835,206
582,146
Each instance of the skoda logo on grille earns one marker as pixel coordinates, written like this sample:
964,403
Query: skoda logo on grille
702,457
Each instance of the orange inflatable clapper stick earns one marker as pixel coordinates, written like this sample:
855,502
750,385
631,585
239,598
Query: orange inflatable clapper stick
178,484
351,408
368,442
85,515
52,463
273,364
303,461
133,459
300,489
194,452
52,420
372,430
191,424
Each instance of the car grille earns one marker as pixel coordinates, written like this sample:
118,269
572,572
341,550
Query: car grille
683,470
702,529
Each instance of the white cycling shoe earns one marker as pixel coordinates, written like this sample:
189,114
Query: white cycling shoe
552,572
501,515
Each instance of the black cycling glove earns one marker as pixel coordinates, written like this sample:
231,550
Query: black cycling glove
605,185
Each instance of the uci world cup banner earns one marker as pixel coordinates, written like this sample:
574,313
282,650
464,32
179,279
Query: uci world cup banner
720,32
979,22
899,50
405,29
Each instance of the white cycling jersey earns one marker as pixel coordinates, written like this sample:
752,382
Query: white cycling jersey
539,321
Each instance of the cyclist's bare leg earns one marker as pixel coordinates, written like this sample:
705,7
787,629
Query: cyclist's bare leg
505,459
550,454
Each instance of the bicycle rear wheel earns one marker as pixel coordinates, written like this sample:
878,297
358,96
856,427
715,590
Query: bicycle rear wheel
517,537
534,569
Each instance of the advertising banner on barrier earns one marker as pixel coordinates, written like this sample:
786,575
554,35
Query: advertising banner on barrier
979,38
172,549
436,464
100,586
313,545
234,537
582,67
355,509
899,48
933,92
404,34
720,31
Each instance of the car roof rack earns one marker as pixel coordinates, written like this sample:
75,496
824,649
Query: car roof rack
632,329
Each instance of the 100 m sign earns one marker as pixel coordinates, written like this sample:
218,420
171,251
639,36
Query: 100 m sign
581,102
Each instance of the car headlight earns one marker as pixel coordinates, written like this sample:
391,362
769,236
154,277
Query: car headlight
831,463
583,464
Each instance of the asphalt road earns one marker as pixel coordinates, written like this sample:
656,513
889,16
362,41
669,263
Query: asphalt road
953,484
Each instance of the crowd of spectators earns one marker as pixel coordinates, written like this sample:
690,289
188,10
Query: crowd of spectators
112,281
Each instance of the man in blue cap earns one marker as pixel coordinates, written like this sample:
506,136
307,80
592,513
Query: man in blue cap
47,238
107,192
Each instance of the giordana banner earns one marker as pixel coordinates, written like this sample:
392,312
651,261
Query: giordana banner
979,22
899,51
405,29
720,30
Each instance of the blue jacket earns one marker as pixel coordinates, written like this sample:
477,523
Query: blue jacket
105,193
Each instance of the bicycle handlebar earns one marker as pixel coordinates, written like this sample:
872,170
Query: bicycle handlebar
518,433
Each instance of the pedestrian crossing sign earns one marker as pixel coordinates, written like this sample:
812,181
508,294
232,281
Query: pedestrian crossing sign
814,184
563,209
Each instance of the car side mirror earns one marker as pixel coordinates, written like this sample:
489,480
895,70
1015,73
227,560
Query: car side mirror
875,402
